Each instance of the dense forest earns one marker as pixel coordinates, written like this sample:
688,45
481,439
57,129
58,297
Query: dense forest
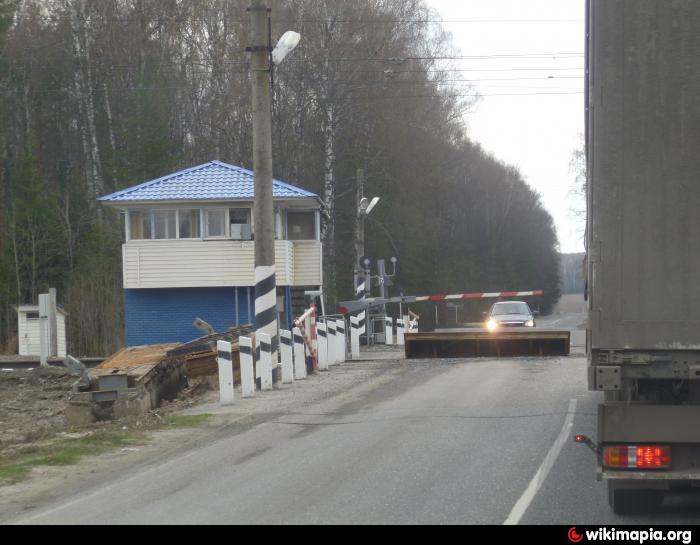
572,278
97,95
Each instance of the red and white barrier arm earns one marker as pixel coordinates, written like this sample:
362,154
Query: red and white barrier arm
462,296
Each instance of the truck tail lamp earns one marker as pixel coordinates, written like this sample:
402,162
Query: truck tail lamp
637,457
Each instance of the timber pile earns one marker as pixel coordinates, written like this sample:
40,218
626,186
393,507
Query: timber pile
201,355
138,356
208,342
204,364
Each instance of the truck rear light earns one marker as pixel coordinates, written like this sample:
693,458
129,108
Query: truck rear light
637,457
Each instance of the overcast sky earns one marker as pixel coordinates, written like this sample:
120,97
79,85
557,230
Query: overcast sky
515,119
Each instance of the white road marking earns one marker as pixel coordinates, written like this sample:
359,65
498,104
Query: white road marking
534,487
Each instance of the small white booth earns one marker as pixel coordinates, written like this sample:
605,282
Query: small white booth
28,328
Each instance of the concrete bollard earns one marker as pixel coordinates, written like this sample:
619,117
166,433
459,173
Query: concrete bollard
332,342
264,342
389,322
362,317
341,349
299,355
322,346
247,373
400,333
226,394
287,354
355,337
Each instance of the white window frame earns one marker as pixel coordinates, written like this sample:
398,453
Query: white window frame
201,213
317,223
150,218
205,217
154,211
247,208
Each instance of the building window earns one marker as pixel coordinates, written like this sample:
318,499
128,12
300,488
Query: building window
216,223
140,225
32,315
301,225
190,223
164,224
240,222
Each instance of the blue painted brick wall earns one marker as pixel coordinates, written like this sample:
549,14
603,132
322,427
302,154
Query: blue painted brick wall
158,316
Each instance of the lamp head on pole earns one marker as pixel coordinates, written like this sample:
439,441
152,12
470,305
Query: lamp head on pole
285,46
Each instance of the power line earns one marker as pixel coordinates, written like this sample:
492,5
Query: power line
396,60
441,81
363,97
331,20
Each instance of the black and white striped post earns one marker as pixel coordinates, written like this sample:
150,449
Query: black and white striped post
299,355
400,333
389,330
362,317
332,342
360,286
266,310
322,333
264,344
340,350
355,337
286,351
247,367
224,360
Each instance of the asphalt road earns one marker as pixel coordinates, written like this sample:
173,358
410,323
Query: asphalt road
463,441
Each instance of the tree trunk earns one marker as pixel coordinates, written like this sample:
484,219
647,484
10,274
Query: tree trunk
328,231
84,93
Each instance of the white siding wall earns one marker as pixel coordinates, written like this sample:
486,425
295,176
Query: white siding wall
61,327
307,264
22,332
29,339
214,263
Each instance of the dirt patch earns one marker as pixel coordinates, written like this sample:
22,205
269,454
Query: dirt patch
32,406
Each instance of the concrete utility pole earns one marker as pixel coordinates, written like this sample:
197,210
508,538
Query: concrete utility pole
261,69
360,230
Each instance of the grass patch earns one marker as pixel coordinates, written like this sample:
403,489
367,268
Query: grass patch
187,421
65,452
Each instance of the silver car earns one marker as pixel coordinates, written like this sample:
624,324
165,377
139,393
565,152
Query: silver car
510,314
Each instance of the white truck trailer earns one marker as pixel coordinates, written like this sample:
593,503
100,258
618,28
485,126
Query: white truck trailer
643,245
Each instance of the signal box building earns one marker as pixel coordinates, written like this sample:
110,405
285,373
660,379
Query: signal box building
189,252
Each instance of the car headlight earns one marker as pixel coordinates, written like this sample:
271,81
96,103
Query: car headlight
492,325
530,323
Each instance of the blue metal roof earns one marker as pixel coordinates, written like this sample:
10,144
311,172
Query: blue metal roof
214,181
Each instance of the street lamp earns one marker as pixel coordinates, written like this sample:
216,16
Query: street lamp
287,43
366,206
263,58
